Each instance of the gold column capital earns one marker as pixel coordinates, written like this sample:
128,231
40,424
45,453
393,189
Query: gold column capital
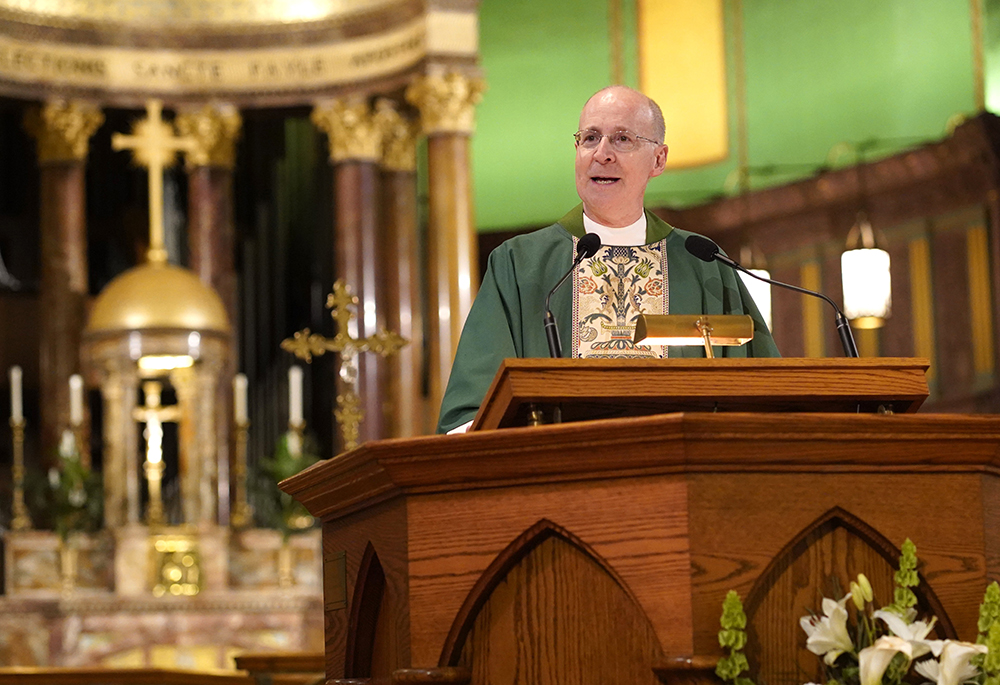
351,129
399,137
63,129
446,101
214,129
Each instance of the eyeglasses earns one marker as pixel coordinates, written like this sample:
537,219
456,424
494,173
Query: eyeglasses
621,141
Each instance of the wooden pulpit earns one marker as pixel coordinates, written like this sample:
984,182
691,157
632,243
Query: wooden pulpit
597,551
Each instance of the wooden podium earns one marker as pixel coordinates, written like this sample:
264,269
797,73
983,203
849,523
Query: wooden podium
599,551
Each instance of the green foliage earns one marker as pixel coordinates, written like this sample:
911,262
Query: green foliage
69,498
277,509
989,610
989,635
906,578
733,639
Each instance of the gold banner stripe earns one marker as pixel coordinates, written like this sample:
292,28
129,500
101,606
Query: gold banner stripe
812,313
682,65
922,300
213,71
980,307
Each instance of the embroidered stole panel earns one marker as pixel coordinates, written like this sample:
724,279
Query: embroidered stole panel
610,290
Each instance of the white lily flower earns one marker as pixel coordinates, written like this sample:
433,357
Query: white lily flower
827,635
914,632
955,667
873,661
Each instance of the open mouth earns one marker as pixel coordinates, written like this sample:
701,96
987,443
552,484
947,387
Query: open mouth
604,180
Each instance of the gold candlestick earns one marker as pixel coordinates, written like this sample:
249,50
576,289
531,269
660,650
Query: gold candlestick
242,511
295,433
82,447
154,478
21,520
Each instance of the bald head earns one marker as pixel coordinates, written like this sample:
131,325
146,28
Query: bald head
658,128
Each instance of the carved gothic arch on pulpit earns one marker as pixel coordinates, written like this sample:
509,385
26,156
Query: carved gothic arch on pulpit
533,580
819,562
366,605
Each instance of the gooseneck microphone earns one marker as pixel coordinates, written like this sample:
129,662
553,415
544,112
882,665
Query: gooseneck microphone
707,251
587,246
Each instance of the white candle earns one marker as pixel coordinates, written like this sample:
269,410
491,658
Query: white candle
75,400
16,405
295,395
240,398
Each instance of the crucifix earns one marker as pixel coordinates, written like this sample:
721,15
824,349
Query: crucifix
305,344
153,414
154,146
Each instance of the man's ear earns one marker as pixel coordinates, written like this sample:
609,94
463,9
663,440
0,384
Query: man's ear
660,161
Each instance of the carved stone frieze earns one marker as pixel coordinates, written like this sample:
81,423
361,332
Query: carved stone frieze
214,128
351,129
399,137
63,129
446,101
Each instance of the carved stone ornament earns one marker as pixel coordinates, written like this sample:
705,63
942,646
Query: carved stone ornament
63,129
214,129
446,101
351,129
399,137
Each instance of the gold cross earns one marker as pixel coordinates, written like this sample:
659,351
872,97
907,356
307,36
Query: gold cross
305,345
154,146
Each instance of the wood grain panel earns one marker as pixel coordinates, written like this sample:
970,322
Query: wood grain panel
602,388
369,592
385,524
461,534
776,642
558,617
786,313
672,443
896,505
952,318
820,563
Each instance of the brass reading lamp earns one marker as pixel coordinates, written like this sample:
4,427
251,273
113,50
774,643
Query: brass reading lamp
694,329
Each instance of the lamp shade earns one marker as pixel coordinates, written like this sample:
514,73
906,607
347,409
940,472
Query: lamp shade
867,286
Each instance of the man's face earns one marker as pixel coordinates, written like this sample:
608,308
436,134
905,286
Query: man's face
610,183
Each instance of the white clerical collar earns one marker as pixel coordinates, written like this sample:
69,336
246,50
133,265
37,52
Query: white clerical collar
633,234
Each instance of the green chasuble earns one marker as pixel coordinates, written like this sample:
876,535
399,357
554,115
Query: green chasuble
506,319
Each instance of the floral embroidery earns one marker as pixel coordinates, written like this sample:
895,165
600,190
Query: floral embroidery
611,290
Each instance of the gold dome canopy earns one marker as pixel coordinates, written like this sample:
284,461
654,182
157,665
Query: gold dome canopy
157,296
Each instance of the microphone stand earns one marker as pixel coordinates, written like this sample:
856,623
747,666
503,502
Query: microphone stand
843,325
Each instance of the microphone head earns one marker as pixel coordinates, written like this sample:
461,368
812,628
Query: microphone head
702,248
588,246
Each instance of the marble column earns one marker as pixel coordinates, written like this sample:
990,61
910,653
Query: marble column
355,147
447,107
401,248
212,249
62,131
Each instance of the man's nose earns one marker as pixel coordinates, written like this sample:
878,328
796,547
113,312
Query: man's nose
604,151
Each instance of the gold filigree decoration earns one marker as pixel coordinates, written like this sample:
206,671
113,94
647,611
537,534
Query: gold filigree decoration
446,101
176,565
305,345
154,146
351,129
214,129
399,137
349,415
188,12
63,129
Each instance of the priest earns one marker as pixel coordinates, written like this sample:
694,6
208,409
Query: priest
642,266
